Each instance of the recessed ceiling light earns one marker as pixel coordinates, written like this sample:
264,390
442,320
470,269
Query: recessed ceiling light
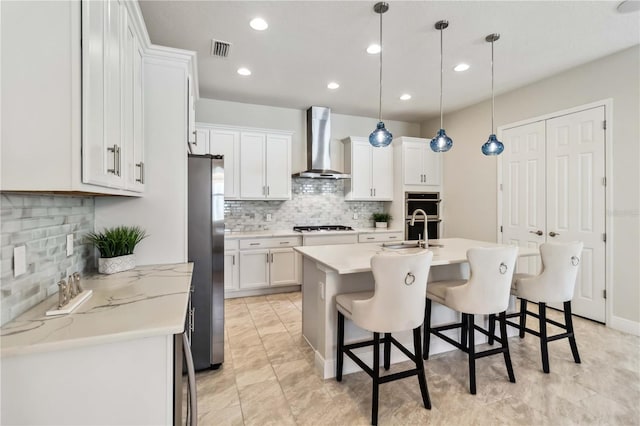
333,85
405,97
259,24
461,67
374,49
244,71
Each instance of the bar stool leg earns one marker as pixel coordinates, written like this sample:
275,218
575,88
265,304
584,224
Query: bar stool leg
492,328
523,317
505,346
572,339
420,367
464,331
543,336
426,329
387,350
340,351
472,353
376,377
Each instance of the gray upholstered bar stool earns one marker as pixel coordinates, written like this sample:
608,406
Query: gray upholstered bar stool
396,305
554,284
486,292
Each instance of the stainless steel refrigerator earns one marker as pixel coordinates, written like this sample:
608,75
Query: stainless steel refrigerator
206,251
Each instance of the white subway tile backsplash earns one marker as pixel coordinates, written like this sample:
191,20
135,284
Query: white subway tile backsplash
314,202
41,223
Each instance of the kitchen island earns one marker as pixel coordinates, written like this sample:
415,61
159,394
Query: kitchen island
111,361
335,269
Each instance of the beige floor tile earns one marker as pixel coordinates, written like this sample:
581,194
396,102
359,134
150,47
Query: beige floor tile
269,378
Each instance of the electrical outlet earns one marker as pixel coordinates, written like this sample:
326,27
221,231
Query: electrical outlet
355,216
69,244
269,217
19,261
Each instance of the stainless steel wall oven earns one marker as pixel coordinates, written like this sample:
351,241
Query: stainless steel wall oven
430,203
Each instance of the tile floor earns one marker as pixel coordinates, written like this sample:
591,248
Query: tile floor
268,378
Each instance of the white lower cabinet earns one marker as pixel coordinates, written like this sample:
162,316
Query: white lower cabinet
375,237
261,264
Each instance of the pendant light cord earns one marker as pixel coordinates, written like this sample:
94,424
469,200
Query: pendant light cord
492,93
441,72
380,85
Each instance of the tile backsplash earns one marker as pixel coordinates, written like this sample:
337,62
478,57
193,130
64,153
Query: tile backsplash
314,202
41,223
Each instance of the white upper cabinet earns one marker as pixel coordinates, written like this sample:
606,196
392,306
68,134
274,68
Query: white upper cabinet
200,144
420,165
371,170
265,165
226,142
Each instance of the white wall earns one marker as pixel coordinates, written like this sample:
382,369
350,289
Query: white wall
470,208
250,115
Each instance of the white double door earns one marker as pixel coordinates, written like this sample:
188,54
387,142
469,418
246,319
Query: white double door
553,189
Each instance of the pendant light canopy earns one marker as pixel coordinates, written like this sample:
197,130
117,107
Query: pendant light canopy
492,146
380,136
442,142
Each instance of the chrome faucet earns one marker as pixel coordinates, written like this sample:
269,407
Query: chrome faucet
422,243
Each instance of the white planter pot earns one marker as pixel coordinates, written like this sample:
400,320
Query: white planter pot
111,265
381,224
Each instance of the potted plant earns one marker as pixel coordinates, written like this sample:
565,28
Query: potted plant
381,219
116,247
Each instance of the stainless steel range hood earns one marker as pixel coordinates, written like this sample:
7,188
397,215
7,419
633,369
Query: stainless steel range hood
319,146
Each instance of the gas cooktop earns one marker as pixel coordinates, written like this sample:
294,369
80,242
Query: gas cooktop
322,228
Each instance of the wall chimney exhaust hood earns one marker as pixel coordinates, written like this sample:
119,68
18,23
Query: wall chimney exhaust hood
319,146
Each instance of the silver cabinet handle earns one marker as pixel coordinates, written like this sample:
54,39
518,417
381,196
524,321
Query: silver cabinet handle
538,232
192,315
285,242
553,234
195,133
268,191
271,257
374,192
370,238
141,178
113,149
233,259
393,237
267,257
254,244
119,163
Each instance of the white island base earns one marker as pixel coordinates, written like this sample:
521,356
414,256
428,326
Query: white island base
331,270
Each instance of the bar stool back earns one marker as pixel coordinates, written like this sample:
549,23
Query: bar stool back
396,304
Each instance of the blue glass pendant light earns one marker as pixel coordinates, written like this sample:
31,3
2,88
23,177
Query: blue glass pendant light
492,146
380,136
442,142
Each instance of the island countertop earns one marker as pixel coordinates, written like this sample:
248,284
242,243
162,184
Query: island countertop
143,302
355,258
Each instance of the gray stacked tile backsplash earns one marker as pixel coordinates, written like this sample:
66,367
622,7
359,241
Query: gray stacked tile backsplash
41,223
313,202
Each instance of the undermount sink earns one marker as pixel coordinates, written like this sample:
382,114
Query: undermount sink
407,245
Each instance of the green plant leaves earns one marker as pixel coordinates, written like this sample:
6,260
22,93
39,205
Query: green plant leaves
118,241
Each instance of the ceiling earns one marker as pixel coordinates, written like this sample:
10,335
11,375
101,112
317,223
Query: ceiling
309,43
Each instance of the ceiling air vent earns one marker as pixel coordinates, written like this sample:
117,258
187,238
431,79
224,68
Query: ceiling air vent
220,48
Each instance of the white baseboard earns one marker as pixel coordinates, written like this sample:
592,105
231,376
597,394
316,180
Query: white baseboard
625,325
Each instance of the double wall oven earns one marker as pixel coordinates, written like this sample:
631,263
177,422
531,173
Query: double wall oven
429,202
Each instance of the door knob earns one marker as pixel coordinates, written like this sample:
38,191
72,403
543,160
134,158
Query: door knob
538,232
553,234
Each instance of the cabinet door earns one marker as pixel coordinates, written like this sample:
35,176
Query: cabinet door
413,164
283,267
131,106
278,166
361,188
254,268
138,116
114,43
231,269
191,111
252,166
201,144
382,173
227,143
431,165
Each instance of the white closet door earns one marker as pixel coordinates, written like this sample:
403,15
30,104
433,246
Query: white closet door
576,200
523,188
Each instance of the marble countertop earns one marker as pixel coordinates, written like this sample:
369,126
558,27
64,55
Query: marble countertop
229,235
146,301
354,258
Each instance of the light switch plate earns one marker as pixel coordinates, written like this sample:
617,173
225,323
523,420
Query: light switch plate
355,216
69,244
19,261
269,217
